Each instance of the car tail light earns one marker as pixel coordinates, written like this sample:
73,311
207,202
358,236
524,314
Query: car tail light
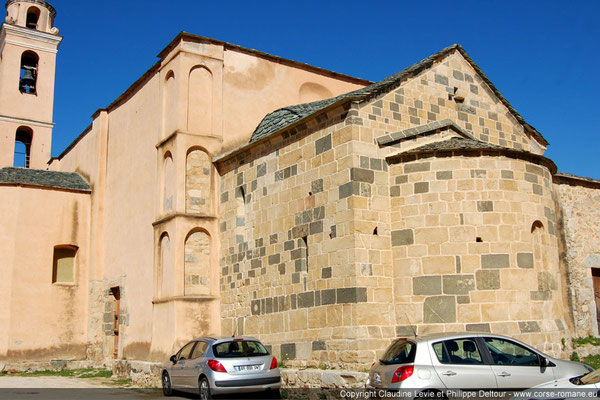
274,363
216,366
403,373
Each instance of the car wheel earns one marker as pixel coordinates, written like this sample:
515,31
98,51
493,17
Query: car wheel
204,389
166,384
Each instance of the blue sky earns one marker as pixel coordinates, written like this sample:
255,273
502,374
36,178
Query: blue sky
542,55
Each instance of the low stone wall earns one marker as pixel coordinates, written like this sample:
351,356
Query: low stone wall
53,365
141,373
317,378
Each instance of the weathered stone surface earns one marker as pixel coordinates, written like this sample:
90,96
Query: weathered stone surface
406,330
529,326
485,206
525,260
323,144
288,351
495,261
458,284
478,328
421,187
427,285
439,309
488,279
318,345
362,175
417,167
403,237
351,295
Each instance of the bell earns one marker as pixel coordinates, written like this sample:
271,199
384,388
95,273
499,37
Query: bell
28,79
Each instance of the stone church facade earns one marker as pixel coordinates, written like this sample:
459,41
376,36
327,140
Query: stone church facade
229,191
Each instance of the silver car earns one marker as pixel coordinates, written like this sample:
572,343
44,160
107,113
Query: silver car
448,363
224,365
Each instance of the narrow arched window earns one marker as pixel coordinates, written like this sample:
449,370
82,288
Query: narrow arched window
23,140
63,264
33,16
29,72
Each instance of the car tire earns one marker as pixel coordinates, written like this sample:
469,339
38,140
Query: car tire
204,389
166,384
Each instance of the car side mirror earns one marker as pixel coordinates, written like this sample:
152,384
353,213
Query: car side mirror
544,362
173,359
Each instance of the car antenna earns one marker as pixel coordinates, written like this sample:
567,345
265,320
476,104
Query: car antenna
411,325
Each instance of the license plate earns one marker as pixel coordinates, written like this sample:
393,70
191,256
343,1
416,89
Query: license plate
247,367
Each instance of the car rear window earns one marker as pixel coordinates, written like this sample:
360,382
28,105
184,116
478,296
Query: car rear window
400,352
239,348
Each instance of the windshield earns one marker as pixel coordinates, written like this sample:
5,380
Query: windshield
400,352
240,348
592,377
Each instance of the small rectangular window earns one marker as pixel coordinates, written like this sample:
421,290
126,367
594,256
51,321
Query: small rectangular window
63,265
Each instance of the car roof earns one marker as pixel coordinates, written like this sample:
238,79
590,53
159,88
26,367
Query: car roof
215,339
452,335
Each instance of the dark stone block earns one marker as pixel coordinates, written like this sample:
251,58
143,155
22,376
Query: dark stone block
427,285
327,296
376,164
431,116
273,239
397,116
274,259
458,75
351,295
474,89
463,299
395,191
490,261
298,254
529,326
317,298
346,190
493,116
485,206
261,170
443,175
439,309
318,345
333,232
293,300
281,268
419,104
317,186
478,328
531,178
288,351
326,273
316,227
300,231
306,299
507,174
323,144
525,260
300,265
462,116
224,197
394,107
415,120
421,187
478,173
416,167
240,179
362,175
364,162
256,263
441,79
406,330
319,213
269,305
540,295
403,237
458,284
413,112
296,277
400,179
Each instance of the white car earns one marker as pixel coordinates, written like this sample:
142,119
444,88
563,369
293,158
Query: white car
578,387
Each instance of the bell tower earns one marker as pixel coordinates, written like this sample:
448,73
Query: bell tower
28,46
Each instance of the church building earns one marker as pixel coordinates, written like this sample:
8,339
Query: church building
229,191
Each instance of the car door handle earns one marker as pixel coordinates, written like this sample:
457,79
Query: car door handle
503,374
449,373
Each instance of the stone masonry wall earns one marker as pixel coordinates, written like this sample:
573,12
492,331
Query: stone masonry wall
475,248
579,214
